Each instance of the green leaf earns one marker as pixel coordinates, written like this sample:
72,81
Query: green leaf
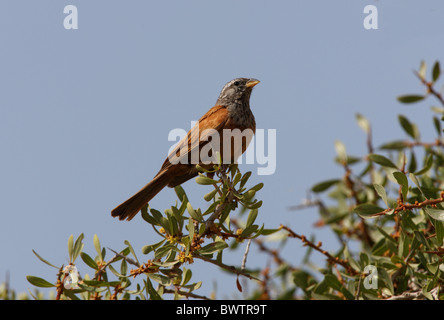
394,145
166,264
412,162
416,182
213,247
96,283
97,246
257,187
202,169
439,228
237,178
324,185
408,127
88,260
194,213
114,271
422,69
302,279
151,220
379,247
381,192
204,180
363,123
130,247
248,195
244,179
180,192
350,160
439,110
163,251
148,248
381,160
437,214
402,180
233,169
193,286
353,263
153,294
254,205
410,98
266,232
367,210
436,71
333,282
437,125
210,195
157,215
341,151
70,246
404,245
191,235
258,232
364,259
78,247
186,276
385,277
422,239
171,221
251,217
39,282
386,235
45,261
428,166
249,230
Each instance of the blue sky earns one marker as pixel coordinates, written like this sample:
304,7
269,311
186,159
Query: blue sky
85,114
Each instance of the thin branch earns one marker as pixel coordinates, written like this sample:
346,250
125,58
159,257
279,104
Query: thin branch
330,258
244,259
186,294
415,295
220,207
416,205
226,267
119,255
430,88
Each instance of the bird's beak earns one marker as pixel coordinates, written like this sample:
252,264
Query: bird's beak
251,83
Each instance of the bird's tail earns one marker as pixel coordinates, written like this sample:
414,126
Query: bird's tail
132,206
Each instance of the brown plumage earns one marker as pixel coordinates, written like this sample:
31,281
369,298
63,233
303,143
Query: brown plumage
232,111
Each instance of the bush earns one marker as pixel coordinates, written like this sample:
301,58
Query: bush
388,201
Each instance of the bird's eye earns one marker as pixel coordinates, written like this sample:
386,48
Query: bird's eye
236,83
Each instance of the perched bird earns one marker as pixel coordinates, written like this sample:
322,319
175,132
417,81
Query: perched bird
232,111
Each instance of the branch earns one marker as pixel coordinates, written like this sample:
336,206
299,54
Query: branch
186,294
416,205
415,295
330,258
430,88
220,207
226,267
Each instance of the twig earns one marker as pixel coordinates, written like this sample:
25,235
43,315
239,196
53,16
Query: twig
59,286
430,88
186,294
330,258
416,205
119,255
244,259
415,295
306,203
220,207
226,267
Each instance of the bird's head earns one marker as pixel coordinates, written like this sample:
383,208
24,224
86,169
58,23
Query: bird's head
237,91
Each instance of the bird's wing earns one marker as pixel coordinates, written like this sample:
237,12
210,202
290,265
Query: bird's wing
214,120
